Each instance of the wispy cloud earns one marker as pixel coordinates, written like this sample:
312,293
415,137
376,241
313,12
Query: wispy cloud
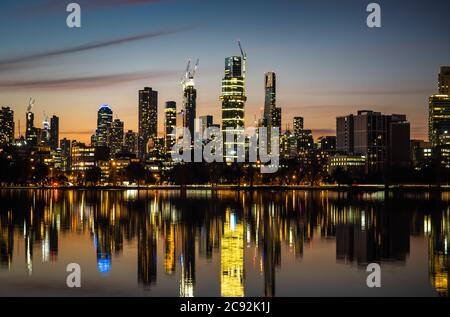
58,5
372,92
83,82
27,59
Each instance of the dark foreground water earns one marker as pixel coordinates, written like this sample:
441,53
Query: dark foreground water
225,243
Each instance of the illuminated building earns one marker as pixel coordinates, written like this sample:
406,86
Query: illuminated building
30,133
82,157
170,125
54,132
305,141
116,137
148,119
189,105
345,134
65,155
420,151
354,163
131,142
439,120
444,81
276,118
288,145
270,98
298,125
382,139
6,126
104,121
232,257
233,103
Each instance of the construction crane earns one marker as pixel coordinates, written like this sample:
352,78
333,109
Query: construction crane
189,75
244,59
30,105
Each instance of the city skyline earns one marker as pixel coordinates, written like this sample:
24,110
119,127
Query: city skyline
376,69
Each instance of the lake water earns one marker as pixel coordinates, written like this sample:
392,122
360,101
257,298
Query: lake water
223,243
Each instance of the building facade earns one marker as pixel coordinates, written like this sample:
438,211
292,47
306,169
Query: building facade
148,119
233,105
6,126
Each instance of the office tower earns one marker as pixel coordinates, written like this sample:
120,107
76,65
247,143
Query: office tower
344,134
444,81
288,145
305,141
298,125
116,137
6,126
276,118
233,103
170,125
30,133
104,121
205,123
65,155
439,120
54,132
148,119
398,148
131,142
82,156
327,144
270,98
189,103
420,151
45,132
382,139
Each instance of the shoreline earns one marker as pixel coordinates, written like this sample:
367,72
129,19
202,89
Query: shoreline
374,187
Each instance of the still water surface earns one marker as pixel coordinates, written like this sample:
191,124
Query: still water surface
224,243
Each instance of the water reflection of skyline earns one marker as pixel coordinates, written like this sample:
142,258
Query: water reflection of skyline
192,225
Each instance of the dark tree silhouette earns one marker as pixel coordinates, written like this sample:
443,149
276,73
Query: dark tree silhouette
93,175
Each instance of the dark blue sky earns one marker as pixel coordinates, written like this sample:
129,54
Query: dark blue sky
327,60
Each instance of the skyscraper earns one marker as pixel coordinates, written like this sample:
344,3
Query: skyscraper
444,81
54,132
30,133
170,125
344,134
65,155
439,120
298,125
148,119
189,104
233,103
276,118
104,121
6,126
270,97
382,139
116,137
131,142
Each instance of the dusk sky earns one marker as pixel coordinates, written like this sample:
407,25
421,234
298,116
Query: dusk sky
328,62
